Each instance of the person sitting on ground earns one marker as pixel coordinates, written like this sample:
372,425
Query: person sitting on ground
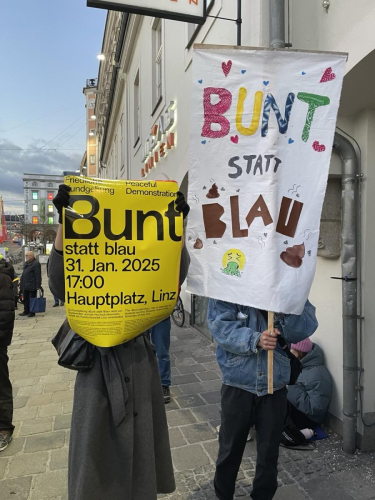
309,398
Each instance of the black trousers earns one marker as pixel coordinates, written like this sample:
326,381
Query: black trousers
27,295
240,410
300,420
6,395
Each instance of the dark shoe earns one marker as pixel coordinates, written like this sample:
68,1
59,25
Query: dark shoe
31,315
62,303
24,314
5,439
55,305
166,394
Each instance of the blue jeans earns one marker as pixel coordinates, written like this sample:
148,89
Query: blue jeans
161,338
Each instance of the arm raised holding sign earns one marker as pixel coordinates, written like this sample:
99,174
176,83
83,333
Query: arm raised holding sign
117,405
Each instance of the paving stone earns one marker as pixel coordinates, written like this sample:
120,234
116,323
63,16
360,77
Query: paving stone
189,457
191,369
180,417
40,399
208,375
176,438
212,448
15,446
31,390
50,410
62,422
323,488
196,433
356,484
15,489
59,459
211,397
194,388
185,362
190,401
184,379
26,464
207,413
3,464
51,379
60,397
69,375
25,382
27,413
45,441
39,372
20,402
67,407
36,426
50,484
60,386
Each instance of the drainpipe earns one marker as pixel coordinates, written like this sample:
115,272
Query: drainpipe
349,288
277,24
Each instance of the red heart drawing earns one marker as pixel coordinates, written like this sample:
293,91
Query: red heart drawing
234,139
226,67
328,76
318,147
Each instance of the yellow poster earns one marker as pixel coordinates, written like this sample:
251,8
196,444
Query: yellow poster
122,250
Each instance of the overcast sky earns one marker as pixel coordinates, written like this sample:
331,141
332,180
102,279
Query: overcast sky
48,49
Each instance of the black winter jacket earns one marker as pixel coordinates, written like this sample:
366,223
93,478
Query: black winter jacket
31,278
6,303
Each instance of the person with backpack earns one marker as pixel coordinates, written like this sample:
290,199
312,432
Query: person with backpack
6,334
309,398
243,339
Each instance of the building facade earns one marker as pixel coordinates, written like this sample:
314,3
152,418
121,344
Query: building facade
41,217
145,82
89,165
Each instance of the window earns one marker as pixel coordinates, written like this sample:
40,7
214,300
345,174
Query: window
193,29
35,195
157,63
35,208
137,110
34,183
50,196
50,208
50,184
50,220
92,159
35,220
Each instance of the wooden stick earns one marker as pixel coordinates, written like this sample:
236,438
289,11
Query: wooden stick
270,355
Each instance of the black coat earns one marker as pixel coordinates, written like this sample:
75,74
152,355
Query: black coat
6,303
31,278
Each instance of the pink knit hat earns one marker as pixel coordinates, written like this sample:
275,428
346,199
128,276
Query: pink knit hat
303,346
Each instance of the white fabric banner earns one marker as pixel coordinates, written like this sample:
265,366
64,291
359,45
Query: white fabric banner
262,130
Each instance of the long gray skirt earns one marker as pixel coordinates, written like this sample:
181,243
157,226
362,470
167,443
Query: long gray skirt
119,444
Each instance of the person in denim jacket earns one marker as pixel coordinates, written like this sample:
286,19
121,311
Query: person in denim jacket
243,341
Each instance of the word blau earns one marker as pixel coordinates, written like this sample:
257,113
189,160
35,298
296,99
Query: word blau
214,113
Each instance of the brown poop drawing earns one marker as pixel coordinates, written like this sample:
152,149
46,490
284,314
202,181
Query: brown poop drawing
213,192
198,244
293,255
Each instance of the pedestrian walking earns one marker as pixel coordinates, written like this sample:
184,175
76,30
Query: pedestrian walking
243,340
119,444
31,281
6,333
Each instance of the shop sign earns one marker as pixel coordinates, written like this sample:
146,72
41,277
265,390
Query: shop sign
190,11
160,140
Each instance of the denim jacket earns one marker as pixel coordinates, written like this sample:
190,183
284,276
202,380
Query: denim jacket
237,329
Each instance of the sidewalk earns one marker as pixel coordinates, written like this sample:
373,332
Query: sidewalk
34,466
